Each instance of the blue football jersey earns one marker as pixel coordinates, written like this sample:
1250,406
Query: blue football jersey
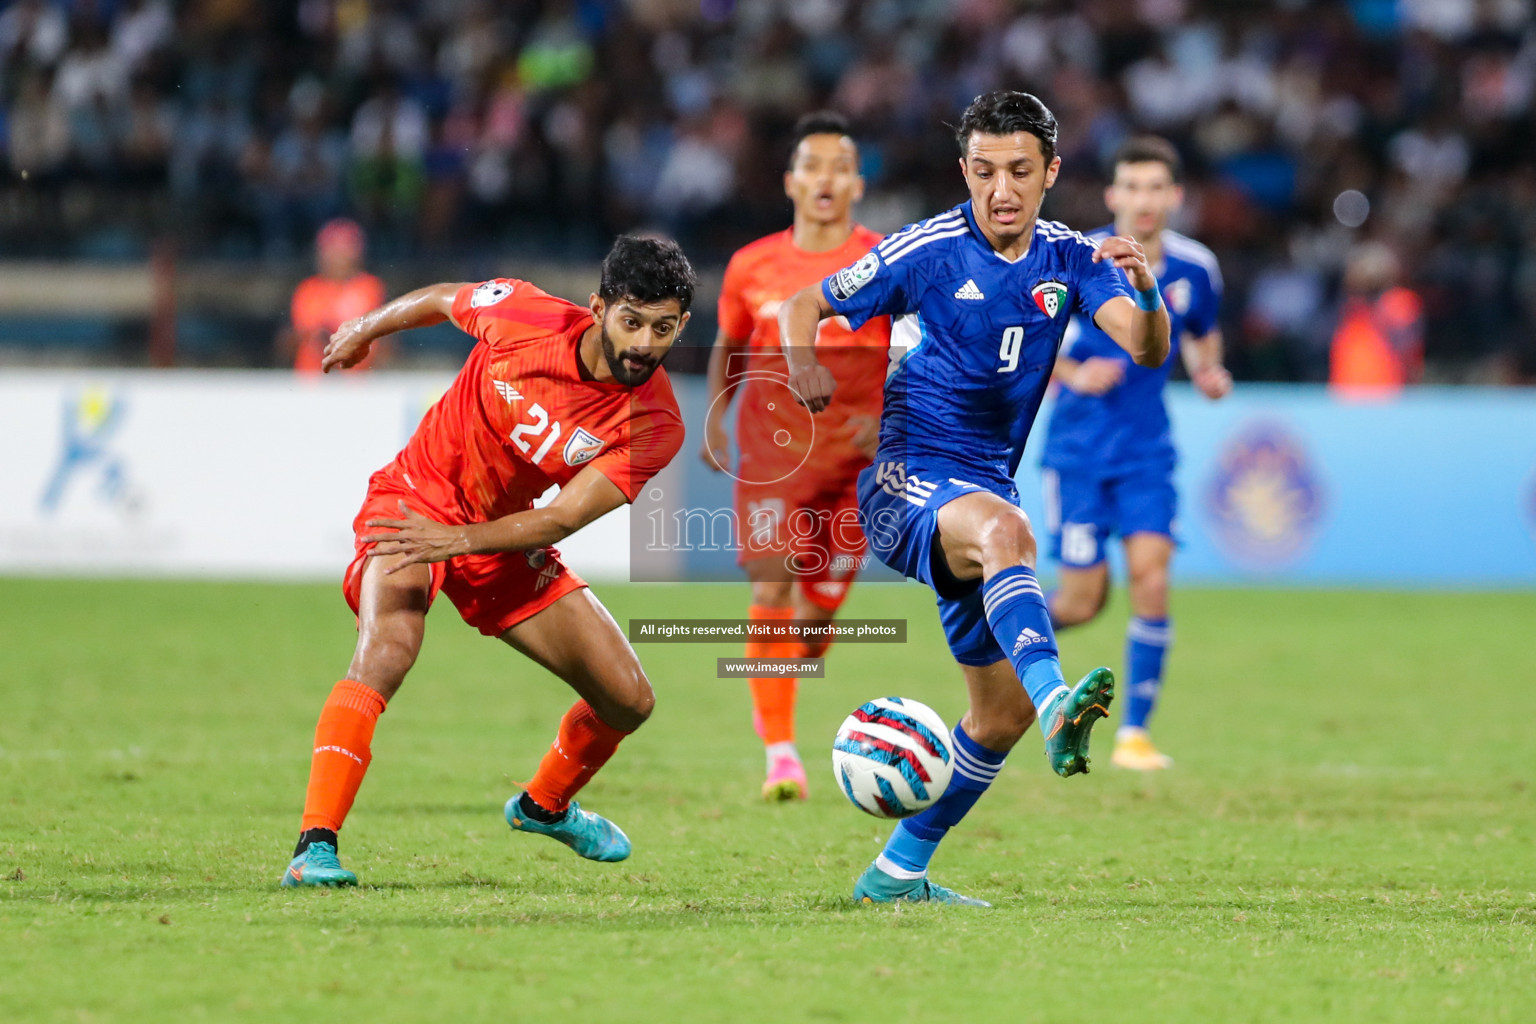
1127,427
973,338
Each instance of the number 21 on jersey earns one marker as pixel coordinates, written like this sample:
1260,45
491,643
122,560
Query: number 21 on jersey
523,433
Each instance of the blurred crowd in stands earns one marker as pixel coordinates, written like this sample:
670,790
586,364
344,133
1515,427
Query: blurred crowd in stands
1400,131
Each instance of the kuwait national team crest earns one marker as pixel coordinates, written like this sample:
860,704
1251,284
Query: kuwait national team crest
1050,296
1178,295
582,448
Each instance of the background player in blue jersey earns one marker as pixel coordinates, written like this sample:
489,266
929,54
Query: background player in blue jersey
1109,454
983,293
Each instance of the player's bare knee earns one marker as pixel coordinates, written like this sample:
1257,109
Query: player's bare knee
382,663
1007,539
1149,593
627,703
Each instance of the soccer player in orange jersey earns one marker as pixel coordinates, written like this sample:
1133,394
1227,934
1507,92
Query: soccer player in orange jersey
795,480
554,393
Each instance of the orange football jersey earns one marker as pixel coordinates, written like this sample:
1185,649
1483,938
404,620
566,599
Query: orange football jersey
777,436
322,304
522,414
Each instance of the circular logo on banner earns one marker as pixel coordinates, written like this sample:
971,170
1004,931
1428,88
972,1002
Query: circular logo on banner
1266,497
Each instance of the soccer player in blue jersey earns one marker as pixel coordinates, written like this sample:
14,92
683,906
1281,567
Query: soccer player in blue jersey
982,294
1109,455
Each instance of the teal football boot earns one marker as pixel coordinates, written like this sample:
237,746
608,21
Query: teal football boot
590,835
1068,719
875,886
317,866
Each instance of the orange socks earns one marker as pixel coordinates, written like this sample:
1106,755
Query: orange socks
583,745
342,739
773,699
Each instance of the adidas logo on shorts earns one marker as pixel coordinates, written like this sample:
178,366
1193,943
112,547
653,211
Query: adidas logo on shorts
969,291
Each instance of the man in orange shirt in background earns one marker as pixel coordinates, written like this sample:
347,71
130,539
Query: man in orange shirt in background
1378,346
795,497
341,291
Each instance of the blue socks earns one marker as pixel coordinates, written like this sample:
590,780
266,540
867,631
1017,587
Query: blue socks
1146,644
914,839
1021,622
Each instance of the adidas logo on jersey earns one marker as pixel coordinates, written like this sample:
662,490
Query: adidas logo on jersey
969,291
1026,638
507,391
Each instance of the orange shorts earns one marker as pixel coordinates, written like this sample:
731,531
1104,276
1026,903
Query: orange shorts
817,530
492,592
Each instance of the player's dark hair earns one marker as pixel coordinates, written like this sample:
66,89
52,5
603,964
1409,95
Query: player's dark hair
1149,149
1005,112
817,122
647,270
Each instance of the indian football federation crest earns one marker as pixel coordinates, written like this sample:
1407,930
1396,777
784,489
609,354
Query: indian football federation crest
1178,295
1266,498
582,448
1050,296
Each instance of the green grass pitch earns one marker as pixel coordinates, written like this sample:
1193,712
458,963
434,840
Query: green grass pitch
1349,834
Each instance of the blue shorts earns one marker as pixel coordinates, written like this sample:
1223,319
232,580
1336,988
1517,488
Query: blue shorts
1084,509
899,513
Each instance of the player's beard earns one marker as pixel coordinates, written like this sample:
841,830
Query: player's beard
621,370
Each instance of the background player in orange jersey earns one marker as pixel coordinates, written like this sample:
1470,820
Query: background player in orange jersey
340,291
554,393
795,480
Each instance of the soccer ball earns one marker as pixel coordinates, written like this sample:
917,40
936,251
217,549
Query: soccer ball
892,757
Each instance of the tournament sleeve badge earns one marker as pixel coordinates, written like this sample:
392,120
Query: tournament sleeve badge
1050,296
850,279
489,293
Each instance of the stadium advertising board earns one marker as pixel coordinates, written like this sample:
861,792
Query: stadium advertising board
260,474
208,473
1292,485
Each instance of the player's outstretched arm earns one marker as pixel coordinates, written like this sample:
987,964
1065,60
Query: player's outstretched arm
1140,327
420,308
799,317
1202,358
589,496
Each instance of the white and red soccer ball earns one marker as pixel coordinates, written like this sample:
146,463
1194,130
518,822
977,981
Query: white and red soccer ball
892,757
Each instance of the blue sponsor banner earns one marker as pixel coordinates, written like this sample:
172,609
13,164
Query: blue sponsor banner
1284,484
1290,485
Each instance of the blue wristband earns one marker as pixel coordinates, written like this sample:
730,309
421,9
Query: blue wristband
1150,300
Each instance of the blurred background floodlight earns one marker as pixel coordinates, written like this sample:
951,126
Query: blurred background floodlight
1351,207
